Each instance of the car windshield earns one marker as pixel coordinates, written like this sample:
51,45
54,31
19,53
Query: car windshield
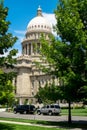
56,106
19,106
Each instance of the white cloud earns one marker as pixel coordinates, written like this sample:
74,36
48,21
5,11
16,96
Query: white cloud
51,18
22,32
20,35
20,38
7,53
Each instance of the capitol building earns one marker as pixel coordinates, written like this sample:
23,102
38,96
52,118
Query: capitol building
29,77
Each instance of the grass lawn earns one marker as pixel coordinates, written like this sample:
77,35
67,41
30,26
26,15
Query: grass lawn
62,125
75,112
5,126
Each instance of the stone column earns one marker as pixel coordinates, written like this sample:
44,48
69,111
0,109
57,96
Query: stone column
27,49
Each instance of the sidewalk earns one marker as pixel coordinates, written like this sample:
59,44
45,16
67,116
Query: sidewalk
30,124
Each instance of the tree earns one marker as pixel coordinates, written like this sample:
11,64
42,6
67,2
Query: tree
67,58
48,94
72,24
6,61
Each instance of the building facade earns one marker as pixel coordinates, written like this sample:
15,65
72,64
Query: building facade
29,77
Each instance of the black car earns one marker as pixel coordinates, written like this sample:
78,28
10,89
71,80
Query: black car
27,109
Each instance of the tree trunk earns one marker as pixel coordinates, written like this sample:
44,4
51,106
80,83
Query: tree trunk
69,114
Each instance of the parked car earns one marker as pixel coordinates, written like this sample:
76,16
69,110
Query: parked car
24,109
53,109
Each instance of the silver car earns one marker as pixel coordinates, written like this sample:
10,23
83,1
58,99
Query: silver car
52,109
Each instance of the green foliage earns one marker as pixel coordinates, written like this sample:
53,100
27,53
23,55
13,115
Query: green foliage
67,58
6,62
6,40
6,91
48,93
72,25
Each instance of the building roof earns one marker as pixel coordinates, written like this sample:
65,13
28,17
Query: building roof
39,23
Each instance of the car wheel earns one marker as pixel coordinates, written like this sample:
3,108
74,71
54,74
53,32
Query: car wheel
50,113
25,112
38,112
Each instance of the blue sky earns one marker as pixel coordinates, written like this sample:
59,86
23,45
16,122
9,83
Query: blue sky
22,11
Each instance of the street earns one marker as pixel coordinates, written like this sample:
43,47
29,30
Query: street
43,117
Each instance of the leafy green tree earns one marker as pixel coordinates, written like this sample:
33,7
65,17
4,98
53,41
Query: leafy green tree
71,18
48,94
67,58
6,57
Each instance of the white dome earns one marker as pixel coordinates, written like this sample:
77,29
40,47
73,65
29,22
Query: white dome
39,23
